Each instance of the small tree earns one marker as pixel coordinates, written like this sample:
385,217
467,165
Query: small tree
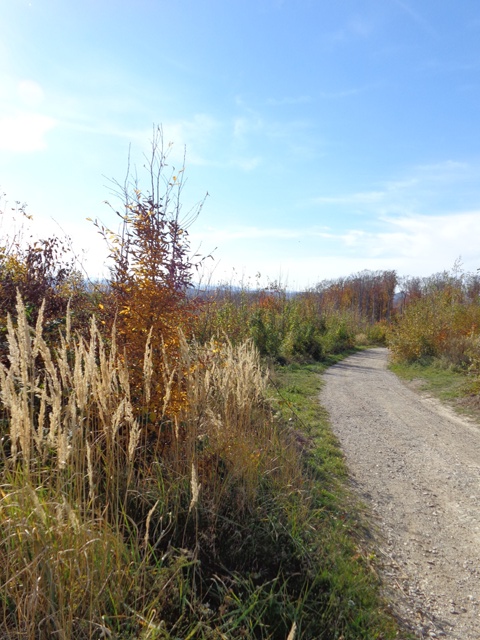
152,268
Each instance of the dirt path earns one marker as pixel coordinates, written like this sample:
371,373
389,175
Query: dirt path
417,467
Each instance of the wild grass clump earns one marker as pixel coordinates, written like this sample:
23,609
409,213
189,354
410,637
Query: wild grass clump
85,501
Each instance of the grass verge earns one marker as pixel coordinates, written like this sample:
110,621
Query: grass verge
355,608
448,384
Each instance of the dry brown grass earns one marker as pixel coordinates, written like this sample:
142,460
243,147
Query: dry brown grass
89,501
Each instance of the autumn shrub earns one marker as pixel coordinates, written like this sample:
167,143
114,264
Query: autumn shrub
419,332
304,328
377,333
304,339
437,325
150,274
224,311
340,332
44,272
266,332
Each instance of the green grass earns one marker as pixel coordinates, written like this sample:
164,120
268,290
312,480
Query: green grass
444,383
298,387
452,386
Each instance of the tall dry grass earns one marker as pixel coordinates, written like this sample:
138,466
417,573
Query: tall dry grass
114,514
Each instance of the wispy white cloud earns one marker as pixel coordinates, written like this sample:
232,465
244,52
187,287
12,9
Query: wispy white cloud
412,192
411,226
410,229
256,136
360,26
342,93
215,143
194,136
31,93
367,197
411,245
319,95
246,125
196,133
262,233
246,164
447,170
357,27
25,132
24,125
421,243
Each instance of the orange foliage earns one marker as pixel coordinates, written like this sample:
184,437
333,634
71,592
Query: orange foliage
147,298
442,321
368,294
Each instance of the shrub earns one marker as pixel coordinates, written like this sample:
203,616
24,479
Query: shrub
151,272
436,325
42,271
339,336
376,334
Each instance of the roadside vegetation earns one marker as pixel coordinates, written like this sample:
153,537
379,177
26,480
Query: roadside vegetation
435,336
166,469
446,383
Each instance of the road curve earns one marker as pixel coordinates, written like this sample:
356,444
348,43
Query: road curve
416,465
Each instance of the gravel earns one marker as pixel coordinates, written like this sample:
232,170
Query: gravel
416,466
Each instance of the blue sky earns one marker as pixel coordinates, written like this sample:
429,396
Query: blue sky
331,137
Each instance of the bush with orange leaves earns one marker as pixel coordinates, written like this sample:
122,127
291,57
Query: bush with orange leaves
151,271
443,322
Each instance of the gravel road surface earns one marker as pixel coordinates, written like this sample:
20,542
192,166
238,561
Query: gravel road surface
416,465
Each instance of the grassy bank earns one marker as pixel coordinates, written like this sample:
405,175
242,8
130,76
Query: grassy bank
448,384
220,515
